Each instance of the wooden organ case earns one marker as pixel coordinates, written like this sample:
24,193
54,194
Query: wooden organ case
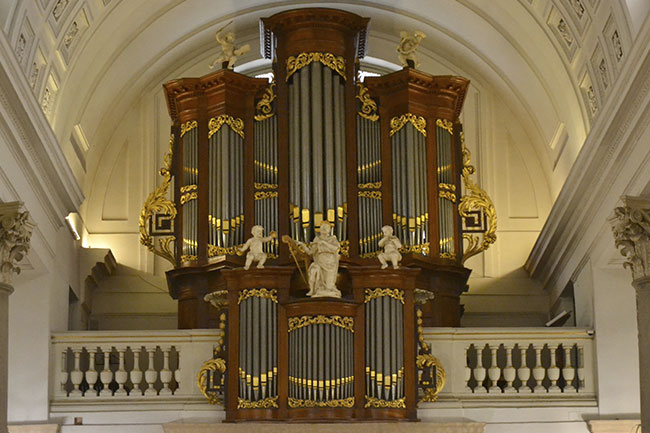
317,144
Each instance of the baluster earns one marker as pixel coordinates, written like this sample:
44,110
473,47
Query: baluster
468,371
76,375
581,368
479,372
509,372
91,374
523,372
165,373
151,374
539,372
63,379
177,372
121,376
106,376
494,372
553,370
568,372
136,373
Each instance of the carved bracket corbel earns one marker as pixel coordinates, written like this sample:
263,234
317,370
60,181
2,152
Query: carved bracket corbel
631,227
476,201
15,234
158,203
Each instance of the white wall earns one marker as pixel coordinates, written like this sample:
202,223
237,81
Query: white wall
617,351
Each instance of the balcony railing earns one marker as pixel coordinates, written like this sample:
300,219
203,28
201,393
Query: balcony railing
484,366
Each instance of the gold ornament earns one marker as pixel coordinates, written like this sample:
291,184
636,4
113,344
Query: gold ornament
235,123
371,194
393,404
368,105
378,293
258,293
419,122
267,403
335,63
208,367
188,126
264,107
346,402
158,203
446,125
475,198
429,361
300,322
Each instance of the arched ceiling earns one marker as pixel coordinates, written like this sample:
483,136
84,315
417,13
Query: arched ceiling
550,63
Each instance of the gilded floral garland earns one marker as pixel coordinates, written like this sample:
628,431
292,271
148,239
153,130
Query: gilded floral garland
208,368
300,322
377,402
346,402
188,126
379,292
267,403
368,105
258,293
264,107
446,125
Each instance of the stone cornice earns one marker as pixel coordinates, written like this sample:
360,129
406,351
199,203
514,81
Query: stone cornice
33,143
588,197
631,226
15,233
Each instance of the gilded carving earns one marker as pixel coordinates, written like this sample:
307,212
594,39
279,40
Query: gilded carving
446,125
16,229
265,185
429,361
158,203
335,63
258,293
208,368
262,195
631,227
188,126
235,123
398,122
345,402
368,105
267,403
370,185
379,403
264,108
475,198
371,194
379,292
302,321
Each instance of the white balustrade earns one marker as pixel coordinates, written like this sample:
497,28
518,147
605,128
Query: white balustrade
513,363
121,366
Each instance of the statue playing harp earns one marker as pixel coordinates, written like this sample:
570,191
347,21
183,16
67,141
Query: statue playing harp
324,268
229,53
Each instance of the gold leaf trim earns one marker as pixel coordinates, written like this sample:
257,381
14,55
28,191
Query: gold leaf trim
258,293
379,403
370,255
266,185
475,198
202,378
429,361
214,250
267,403
398,122
451,256
371,194
416,249
345,402
189,196
368,105
188,126
261,195
300,322
379,292
370,185
446,125
235,123
157,202
264,107
335,63
189,258
447,195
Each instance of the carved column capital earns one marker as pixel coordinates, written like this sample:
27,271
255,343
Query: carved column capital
631,226
15,233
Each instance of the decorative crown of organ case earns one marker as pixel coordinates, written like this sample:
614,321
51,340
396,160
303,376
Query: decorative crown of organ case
316,145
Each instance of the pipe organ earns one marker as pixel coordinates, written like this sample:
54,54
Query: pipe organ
316,144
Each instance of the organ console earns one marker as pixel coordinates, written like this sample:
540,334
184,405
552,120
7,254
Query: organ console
316,144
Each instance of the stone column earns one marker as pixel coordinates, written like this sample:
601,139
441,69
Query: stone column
631,227
15,234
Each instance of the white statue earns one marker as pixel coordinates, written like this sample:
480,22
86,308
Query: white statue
407,46
324,268
255,244
229,53
391,245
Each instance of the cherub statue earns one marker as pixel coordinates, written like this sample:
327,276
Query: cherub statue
407,46
325,265
229,53
391,245
255,244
